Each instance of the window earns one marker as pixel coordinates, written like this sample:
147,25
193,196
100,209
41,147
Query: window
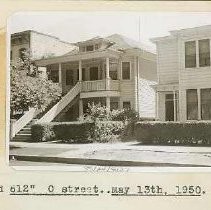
204,52
89,48
126,70
10,55
192,104
69,77
126,105
83,74
97,46
22,53
83,49
113,71
114,105
53,72
206,104
54,76
190,54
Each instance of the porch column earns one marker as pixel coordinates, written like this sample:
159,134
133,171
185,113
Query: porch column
81,107
80,70
108,104
175,108
156,104
199,103
60,73
107,75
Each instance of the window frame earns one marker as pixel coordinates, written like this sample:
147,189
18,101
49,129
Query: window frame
201,104
197,104
199,52
122,70
196,40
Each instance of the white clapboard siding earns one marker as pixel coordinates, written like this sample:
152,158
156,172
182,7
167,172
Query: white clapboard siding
146,98
167,62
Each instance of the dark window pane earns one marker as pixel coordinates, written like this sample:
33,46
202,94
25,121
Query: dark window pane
114,105
125,70
69,77
192,104
206,104
90,48
204,52
113,71
53,72
126,105
190,54
22,53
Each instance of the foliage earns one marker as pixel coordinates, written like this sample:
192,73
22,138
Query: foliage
70,132
110,125
30,90
98,112
187,133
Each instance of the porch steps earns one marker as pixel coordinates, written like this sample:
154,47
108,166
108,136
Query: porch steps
25,133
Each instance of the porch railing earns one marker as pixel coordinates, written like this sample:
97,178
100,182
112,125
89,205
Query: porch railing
114,85
16,126
56,109
99,85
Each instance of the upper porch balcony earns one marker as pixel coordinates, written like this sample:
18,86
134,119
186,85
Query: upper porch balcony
97,72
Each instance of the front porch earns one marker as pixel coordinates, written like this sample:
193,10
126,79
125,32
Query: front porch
96,77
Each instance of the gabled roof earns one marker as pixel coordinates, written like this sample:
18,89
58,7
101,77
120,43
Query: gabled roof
124,43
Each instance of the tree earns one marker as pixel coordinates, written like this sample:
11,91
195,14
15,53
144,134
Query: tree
28,89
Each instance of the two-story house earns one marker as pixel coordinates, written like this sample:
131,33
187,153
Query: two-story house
184,75
39,45
115,71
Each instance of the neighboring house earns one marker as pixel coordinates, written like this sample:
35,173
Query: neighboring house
115,71
184,75
40,45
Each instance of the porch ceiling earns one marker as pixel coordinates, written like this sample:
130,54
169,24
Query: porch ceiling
78,56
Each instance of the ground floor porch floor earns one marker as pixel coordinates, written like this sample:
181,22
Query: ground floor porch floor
174,103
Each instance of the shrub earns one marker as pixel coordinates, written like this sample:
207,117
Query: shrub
65,131
187,133
107,131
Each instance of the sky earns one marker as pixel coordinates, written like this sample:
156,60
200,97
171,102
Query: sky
78,26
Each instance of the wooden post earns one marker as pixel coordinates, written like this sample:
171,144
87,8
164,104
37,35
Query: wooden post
108,104
199,103
175,108
107,75
80,107
60,73
80,70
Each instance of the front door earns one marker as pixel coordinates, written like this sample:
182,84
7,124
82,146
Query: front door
93,73
169,107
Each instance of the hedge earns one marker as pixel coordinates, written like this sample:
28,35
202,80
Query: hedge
187,133
66,131
80,132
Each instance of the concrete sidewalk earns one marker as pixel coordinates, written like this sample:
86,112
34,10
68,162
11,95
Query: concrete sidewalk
115,154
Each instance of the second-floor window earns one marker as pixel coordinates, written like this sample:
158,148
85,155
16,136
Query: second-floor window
190,54
126,70
90,48
204,52
197,56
